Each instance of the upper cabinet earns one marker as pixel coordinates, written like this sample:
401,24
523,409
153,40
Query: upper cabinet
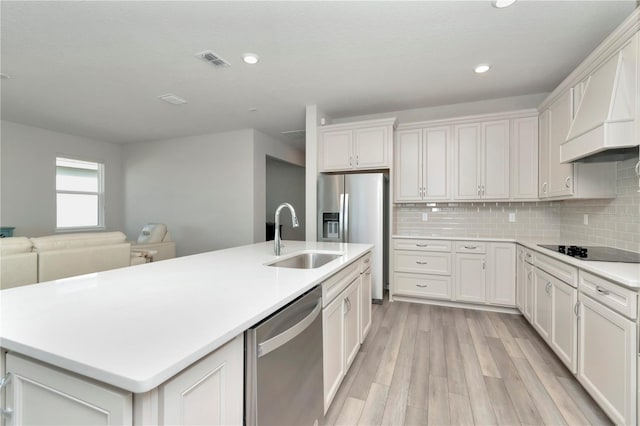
523,150
482,161
364,145
422,164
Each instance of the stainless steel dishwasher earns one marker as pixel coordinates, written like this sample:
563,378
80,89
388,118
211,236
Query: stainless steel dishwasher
283,366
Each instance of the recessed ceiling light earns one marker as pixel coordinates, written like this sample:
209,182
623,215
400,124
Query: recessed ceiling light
501,4
172,99
250,58
482,68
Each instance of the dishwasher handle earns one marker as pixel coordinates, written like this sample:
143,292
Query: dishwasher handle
281,339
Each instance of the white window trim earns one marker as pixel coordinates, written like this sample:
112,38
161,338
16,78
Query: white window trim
100,194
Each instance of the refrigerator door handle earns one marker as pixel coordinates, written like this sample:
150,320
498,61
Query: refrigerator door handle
341,219
346,218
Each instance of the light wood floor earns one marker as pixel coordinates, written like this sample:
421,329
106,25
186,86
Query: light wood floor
435,365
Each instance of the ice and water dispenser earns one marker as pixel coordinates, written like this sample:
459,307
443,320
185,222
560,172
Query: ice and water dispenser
330,225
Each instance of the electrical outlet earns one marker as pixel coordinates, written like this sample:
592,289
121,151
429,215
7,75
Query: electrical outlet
512,217
585,219
425,217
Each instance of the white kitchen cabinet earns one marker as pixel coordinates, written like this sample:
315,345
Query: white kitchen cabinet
523,149
608,339
568,180
365,304
482,160
209,392
422,164
470,278
521,274
363,145
333,344
501,274
542,303
352,322
554,316
528,292
40,394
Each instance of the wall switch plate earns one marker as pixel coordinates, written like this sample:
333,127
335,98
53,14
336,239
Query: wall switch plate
585,219
512,217
425,217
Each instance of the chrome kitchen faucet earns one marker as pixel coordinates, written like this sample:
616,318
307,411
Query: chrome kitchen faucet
294,220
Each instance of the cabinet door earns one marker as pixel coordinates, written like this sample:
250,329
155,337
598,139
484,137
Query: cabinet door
564,323
351,322
470,277
543,155
408,169
372,147
333,348
209,392
560,175
521,274
542,303
523,149
608,339
42,395
436,170
467,162
501,274
528,292
365,304
335,149
494,184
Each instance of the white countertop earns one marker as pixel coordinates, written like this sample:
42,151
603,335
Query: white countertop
136,327
626,274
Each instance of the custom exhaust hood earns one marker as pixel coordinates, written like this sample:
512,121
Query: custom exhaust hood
604,127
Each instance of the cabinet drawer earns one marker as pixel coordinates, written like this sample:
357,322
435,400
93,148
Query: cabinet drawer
433,286
471,247
365,262
334,285
422,245
618,298
423,262
561,270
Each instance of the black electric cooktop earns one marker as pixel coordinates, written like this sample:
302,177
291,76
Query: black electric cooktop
598,254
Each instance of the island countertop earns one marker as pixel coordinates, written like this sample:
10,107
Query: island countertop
136,327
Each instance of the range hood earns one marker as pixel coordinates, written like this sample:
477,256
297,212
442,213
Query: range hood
604,127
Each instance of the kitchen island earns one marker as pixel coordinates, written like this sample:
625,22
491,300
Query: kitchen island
134,328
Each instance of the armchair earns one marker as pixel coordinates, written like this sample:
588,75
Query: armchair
154,242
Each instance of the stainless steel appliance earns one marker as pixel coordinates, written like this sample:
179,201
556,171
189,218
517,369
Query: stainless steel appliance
353,208
596,253
283,366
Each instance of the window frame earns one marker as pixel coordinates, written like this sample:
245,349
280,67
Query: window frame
100,194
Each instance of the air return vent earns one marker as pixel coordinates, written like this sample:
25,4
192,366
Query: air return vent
213,58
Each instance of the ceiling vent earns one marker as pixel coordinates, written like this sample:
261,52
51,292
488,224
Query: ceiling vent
213,58
172,99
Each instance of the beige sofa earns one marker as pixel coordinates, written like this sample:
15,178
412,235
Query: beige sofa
67,255
18,262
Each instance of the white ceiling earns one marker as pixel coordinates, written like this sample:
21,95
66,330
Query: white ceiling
95,69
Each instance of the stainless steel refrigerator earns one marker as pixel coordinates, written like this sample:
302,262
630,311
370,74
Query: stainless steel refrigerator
353,208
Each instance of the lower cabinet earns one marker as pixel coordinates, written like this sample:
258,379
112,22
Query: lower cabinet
470,277
501,274
555,316
40,394
365,304
208,392
528,291
608,360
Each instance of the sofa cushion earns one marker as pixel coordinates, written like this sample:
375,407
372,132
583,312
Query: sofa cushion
79,240
14,245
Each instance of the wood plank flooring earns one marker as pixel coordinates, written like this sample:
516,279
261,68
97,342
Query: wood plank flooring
424,364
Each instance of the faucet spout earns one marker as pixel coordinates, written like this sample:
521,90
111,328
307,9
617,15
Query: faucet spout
294,222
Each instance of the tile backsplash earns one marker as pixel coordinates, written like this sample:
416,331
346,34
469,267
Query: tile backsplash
612,222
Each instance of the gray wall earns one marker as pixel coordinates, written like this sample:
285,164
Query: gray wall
285,183
28,177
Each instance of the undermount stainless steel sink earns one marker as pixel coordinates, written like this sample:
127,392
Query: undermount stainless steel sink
306,260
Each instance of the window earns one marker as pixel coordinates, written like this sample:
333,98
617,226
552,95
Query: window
79,194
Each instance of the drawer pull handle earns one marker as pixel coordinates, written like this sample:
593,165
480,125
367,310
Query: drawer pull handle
421,263
421,285
470,247
547,288
576,309
602,291
422,245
